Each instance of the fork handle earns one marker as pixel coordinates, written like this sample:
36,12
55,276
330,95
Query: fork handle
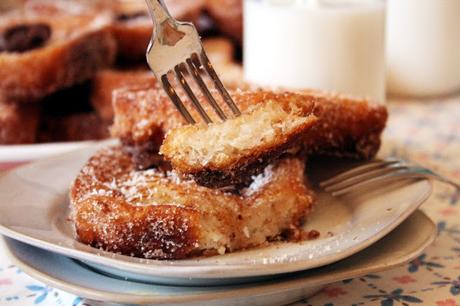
158,11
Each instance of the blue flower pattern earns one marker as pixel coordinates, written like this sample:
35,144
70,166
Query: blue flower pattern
40,291
397,295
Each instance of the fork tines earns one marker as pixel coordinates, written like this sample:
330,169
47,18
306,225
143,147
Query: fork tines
196,66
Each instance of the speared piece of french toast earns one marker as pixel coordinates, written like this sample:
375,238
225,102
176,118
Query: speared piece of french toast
155,214
345,127
231,152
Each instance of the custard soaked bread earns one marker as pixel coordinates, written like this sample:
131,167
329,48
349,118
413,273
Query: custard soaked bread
345,127
231,152
44,48
154,214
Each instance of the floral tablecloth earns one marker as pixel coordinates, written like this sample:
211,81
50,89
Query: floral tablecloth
427,132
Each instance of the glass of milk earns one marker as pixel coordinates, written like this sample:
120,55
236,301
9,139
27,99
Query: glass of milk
325,44
423,47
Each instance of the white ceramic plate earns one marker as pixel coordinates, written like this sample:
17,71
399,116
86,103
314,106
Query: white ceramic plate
400,246
33,209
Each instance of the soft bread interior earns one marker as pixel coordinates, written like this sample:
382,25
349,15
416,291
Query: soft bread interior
261,128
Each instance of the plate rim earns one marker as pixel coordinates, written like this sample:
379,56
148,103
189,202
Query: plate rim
196,271
19,153
284,285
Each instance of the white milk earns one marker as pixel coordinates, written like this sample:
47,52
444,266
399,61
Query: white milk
330,45
423,47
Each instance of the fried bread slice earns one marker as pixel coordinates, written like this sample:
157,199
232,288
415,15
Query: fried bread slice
45,48
154,214
18,123
346,127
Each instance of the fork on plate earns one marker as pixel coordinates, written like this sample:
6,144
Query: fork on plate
379,172
176,49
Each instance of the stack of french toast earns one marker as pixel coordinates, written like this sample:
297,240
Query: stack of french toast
171,190
60,62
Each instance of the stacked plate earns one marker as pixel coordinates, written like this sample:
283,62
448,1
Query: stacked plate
360,234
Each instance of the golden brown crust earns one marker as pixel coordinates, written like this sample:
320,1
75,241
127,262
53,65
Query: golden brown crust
18,123
154,214
75,127
347,127
109,80
228,15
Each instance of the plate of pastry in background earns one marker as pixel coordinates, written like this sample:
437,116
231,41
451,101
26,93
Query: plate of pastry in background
61,61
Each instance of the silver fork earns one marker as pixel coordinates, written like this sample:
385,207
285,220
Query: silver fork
379,172
176,48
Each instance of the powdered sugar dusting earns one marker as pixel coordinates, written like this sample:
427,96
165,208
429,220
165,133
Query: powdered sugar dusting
259,181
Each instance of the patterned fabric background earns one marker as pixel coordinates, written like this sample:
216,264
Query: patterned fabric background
427,132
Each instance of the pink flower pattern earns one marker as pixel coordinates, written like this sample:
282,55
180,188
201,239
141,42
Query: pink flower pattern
447,302
5,282
333,292
405,279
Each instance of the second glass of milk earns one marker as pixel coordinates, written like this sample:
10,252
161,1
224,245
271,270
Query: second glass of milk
333,45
